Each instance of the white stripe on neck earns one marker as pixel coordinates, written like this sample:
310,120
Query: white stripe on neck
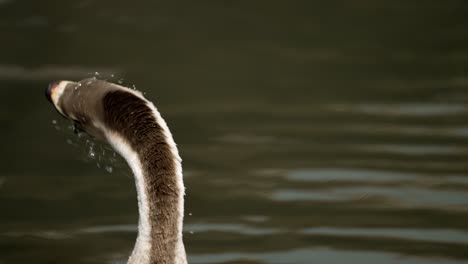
141,252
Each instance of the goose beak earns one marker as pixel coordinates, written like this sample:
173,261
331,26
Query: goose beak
50,89
54,91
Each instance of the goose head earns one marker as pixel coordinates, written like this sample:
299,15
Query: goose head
81,102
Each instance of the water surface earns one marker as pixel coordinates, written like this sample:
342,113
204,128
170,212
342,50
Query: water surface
310,132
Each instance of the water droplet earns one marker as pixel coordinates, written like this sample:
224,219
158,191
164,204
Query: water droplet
190,214
69,141
191,232
109,169
96,73
54,122
91,152
98,165
112,75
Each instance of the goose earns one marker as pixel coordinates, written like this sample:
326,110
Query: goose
135,129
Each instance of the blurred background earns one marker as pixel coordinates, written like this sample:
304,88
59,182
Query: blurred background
311,132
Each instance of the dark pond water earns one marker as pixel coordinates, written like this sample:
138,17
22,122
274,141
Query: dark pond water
324,132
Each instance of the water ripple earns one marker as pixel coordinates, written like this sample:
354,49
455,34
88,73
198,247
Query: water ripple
50,72
433,235
368,176
401,109
401,196
317,255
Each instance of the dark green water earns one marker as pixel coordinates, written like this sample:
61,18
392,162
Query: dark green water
331,132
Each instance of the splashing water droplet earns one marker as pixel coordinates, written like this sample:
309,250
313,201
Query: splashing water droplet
54,122
191,232
91,152
98,165
190,214
109,169
69,141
